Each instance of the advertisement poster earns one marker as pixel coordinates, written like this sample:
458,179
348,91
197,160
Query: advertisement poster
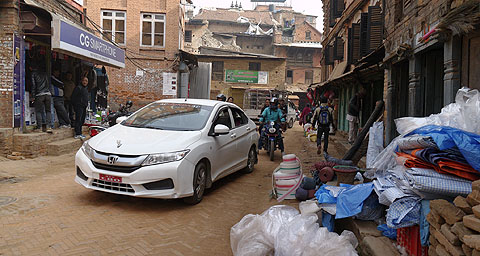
18,81
246,76
170,84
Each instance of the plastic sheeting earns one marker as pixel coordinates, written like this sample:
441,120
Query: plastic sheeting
388,232
375,142
449,137
350,201
282,231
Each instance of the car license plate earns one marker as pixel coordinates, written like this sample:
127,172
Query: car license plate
110,178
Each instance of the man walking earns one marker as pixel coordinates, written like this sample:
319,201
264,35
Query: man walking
353,115
323,115
58,103
43,99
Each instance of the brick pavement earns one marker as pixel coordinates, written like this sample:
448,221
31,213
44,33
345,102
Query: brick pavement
52,215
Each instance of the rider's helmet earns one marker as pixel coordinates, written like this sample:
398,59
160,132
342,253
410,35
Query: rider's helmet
129,104
221,97
273,103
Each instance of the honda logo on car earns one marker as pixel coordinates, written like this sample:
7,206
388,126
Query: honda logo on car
112,159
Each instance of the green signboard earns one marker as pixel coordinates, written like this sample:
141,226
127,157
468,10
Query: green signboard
246,76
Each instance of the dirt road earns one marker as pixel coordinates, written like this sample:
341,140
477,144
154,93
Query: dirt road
43,211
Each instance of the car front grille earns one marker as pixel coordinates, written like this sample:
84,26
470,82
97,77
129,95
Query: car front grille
122,187
115,168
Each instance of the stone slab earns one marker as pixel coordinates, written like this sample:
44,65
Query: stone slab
467,250
472,222
452,249
378,246
451,237
448,211
460,230
472,241
461,203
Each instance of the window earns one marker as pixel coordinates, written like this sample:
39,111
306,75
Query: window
308,35
223,117
308,77
188,36
254,66
113,26
153,30
289,79
217,71
239,117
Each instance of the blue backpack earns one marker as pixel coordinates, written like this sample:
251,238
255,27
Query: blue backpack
324,116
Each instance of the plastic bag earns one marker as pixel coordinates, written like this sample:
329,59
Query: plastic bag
457,115
303,236
281,230
384,161
375,142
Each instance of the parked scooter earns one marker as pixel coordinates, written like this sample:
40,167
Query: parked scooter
111,119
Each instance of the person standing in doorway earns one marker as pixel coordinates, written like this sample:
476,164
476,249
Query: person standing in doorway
58,103
43,99
69,86
323,116
80,103
353,115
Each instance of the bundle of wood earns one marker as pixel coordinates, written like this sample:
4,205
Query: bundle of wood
455,228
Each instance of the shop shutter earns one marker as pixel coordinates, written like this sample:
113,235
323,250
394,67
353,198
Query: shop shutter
374,28
329,55
339,7
354,46
338,49
364,35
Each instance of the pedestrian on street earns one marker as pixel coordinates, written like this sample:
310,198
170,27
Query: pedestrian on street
80,103
282,105
230,99
323,117
353,115
303,116
43,99
69,86
58,103
267,104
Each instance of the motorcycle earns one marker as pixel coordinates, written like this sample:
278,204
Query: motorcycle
271,136
111,119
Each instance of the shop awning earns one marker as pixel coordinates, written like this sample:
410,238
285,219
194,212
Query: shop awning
72,39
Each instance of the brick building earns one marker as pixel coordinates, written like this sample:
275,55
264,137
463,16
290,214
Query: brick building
43,34
264,72
423,73
151,32
353,51
268,30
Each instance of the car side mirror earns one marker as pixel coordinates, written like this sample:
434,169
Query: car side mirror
121,119
221,129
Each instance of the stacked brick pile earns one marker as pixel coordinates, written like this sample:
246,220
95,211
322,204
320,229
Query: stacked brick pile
455,228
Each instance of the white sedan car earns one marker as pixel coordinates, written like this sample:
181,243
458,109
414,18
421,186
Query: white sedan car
173,148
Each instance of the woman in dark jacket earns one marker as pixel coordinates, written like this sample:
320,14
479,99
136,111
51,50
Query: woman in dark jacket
80,103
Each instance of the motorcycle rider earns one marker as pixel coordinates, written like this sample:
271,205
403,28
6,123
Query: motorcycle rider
221,97
272,113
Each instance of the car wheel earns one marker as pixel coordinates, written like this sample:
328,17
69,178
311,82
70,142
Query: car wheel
252,159
272,150
290,124
199,184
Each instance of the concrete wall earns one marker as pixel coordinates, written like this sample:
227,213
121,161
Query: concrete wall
124,84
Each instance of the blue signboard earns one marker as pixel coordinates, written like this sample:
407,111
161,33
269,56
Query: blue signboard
70,38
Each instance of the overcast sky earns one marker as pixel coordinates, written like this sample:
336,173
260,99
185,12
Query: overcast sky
311,7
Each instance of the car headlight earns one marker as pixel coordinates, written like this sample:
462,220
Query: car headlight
272,130
165,157
88,150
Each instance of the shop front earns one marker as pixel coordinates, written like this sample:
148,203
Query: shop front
64,49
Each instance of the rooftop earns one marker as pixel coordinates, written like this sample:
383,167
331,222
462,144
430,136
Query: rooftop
233,15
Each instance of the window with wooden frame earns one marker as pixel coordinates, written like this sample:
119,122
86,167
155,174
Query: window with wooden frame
113,26
217,71
152,30
338,49
308,35
254,66
374,28
309,77
188,36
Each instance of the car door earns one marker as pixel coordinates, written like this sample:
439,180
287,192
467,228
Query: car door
242,131
223,145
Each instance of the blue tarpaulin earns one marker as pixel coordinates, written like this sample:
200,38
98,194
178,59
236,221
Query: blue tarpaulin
350,200
447,137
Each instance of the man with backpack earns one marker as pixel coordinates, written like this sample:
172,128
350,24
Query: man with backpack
323,115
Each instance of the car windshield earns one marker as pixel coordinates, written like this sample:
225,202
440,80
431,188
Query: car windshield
170,116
